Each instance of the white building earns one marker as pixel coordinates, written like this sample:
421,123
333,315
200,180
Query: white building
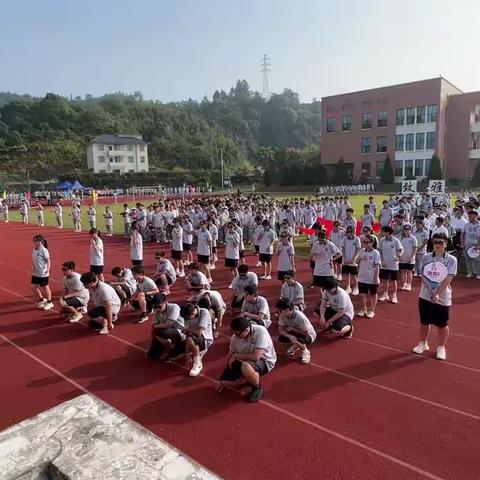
118,154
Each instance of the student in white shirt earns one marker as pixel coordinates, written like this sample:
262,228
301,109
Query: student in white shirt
213,301
136,244
255,307
177,247
144,296
108,217
286,255
124,284
266,239
40,217
232,250
41,272
293,291
368,276
336,237
187,239
422,235
244,278
296,329
390,251
204,249
105,301
196,280
75,296
323,254
251,356
92,216
97,260
336,310
127,220
199,336
165,275
350,250
407,257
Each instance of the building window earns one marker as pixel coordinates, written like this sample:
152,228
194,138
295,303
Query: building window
431,113
427,166
398,168
346,123
130,148
399,143
118,159
381,144
130,159
331,124
110,148
430,141
365,170
142,159
118,147
142,148
382,119
409,139
131,171
101,147
400,116
379,168
419,167
420,141
366,144
408,168
101,171
366,120
421,114
410,115
101,159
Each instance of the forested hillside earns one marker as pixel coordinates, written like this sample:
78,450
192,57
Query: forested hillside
47,137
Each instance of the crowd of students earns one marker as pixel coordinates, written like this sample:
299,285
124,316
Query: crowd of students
345,263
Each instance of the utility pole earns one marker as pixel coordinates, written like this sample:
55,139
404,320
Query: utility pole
221,166
265,64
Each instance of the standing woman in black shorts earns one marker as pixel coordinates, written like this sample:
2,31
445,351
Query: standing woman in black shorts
41,272
96,254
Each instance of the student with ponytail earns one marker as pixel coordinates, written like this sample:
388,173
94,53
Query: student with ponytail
41,272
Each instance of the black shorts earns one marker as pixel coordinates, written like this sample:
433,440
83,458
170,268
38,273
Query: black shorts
265,257
305,339
338,324
73,302
177,254
234,373
367,288
231,263
349,269
204,259
433,313
149,300
172,334
338,260
96,269
96,312
187,247
388,274
406,266
137,263
320,281
241,253
39,281
199,341
257,248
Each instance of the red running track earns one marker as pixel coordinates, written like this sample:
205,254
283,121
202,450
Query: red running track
364,408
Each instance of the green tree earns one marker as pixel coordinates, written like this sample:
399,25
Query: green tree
435,169
476,176
387,176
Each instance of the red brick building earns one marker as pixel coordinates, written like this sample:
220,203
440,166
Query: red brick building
409,122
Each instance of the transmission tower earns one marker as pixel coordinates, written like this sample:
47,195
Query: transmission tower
265,64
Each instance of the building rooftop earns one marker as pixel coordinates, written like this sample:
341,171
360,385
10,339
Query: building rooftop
393,86
118,139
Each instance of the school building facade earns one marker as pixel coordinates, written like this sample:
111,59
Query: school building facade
409,122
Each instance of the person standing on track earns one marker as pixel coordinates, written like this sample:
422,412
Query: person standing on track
5,211
127,220
92,216
251,356
323,254
41,272
204,249
434,303
136,245
407,258
368,276
286,255
177,247
232,250
40,216
390,252
266,237
108,216
24,211
97,260
58,211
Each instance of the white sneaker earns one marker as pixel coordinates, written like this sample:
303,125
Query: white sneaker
212,267
384,297
48,306
362,313
469,275
441,353
292,350
42,303
355,292
348,290
404,287
259,264
339,278
370,314
181,275
196,369
105,330
76,318
478,277
305,358
421,347
267,277
263,277
394,299
408,288
177,272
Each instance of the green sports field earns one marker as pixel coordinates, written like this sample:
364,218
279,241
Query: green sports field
301,244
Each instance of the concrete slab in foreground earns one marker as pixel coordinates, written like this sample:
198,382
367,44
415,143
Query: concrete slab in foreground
87,439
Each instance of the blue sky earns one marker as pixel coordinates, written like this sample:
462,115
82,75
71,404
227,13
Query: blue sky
172,50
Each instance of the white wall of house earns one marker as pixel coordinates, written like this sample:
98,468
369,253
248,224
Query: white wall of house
104,158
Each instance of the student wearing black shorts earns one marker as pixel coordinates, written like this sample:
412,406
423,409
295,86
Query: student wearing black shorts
41,272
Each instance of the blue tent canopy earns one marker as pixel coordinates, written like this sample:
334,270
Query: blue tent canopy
76,185
64,186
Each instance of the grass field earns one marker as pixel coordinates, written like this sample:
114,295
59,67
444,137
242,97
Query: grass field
301,244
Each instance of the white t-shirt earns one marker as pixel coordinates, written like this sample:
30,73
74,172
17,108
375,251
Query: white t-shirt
294,293
136,246
232,240
146,285
260,305
451,263
390,250
40,258
73,284
240,283
350,247
103,293
338,301
203,321
266,239
96,252
322,256
258,338
367,261
299,321
204,242
285,252
409,245
177,236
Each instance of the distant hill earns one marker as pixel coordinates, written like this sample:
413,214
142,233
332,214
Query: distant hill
8,97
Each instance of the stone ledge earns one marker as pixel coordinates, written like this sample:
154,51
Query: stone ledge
87,439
